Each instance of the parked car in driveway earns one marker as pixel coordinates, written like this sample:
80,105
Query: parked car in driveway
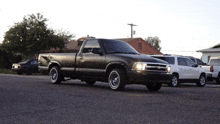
184,70
29,66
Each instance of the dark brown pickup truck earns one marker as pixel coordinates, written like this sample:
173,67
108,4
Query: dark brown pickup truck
112,61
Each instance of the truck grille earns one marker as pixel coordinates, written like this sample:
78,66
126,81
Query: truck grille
156,67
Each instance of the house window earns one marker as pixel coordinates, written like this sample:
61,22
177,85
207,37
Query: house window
140,46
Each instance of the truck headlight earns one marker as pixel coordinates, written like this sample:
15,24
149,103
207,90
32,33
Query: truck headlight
139,66
168,69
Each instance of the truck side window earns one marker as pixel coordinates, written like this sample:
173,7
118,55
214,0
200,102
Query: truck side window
189,62
193,60
90,45
181,61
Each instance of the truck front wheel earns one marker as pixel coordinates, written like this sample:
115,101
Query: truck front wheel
117,79
55,75
154,87
202,81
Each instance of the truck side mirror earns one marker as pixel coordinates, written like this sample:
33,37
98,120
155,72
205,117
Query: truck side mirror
97,51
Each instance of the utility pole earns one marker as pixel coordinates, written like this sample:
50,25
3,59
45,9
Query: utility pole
132,29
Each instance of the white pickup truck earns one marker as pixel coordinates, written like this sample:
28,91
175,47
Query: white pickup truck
213,69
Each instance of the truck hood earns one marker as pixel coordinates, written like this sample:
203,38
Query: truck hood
142,58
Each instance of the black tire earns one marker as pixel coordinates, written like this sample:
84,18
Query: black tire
218,79
29,72
202,81
174,81
117,79
55,75
90,82
20,73
154,87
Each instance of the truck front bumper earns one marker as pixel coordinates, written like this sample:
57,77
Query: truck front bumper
143,77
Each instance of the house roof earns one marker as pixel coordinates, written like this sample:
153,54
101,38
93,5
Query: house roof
216,46
214,49
127,39
211,50
72,45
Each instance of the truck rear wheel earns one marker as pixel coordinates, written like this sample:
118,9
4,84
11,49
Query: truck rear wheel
117,79
55,75
154,87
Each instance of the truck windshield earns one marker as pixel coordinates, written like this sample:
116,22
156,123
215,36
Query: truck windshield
114,46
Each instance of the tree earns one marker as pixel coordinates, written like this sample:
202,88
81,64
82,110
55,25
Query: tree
154,41
7,58
32,36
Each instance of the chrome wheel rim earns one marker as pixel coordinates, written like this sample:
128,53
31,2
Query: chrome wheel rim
202,80
174,81
114,80
53,74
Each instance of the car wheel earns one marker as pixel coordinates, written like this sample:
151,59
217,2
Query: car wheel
202,81
117,79
20,73
218,79
55,75
154,87
90,82
29,72
174,81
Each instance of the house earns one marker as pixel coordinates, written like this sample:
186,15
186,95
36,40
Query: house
138,43
210,52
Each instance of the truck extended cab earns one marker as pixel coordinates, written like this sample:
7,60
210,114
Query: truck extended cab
112,61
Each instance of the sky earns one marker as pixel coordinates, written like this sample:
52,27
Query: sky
183,26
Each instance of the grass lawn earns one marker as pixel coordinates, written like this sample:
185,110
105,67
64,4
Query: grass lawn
7,71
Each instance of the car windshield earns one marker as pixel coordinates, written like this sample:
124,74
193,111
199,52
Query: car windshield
114,46
170,60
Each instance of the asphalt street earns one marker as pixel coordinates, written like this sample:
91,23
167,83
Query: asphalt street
33,99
